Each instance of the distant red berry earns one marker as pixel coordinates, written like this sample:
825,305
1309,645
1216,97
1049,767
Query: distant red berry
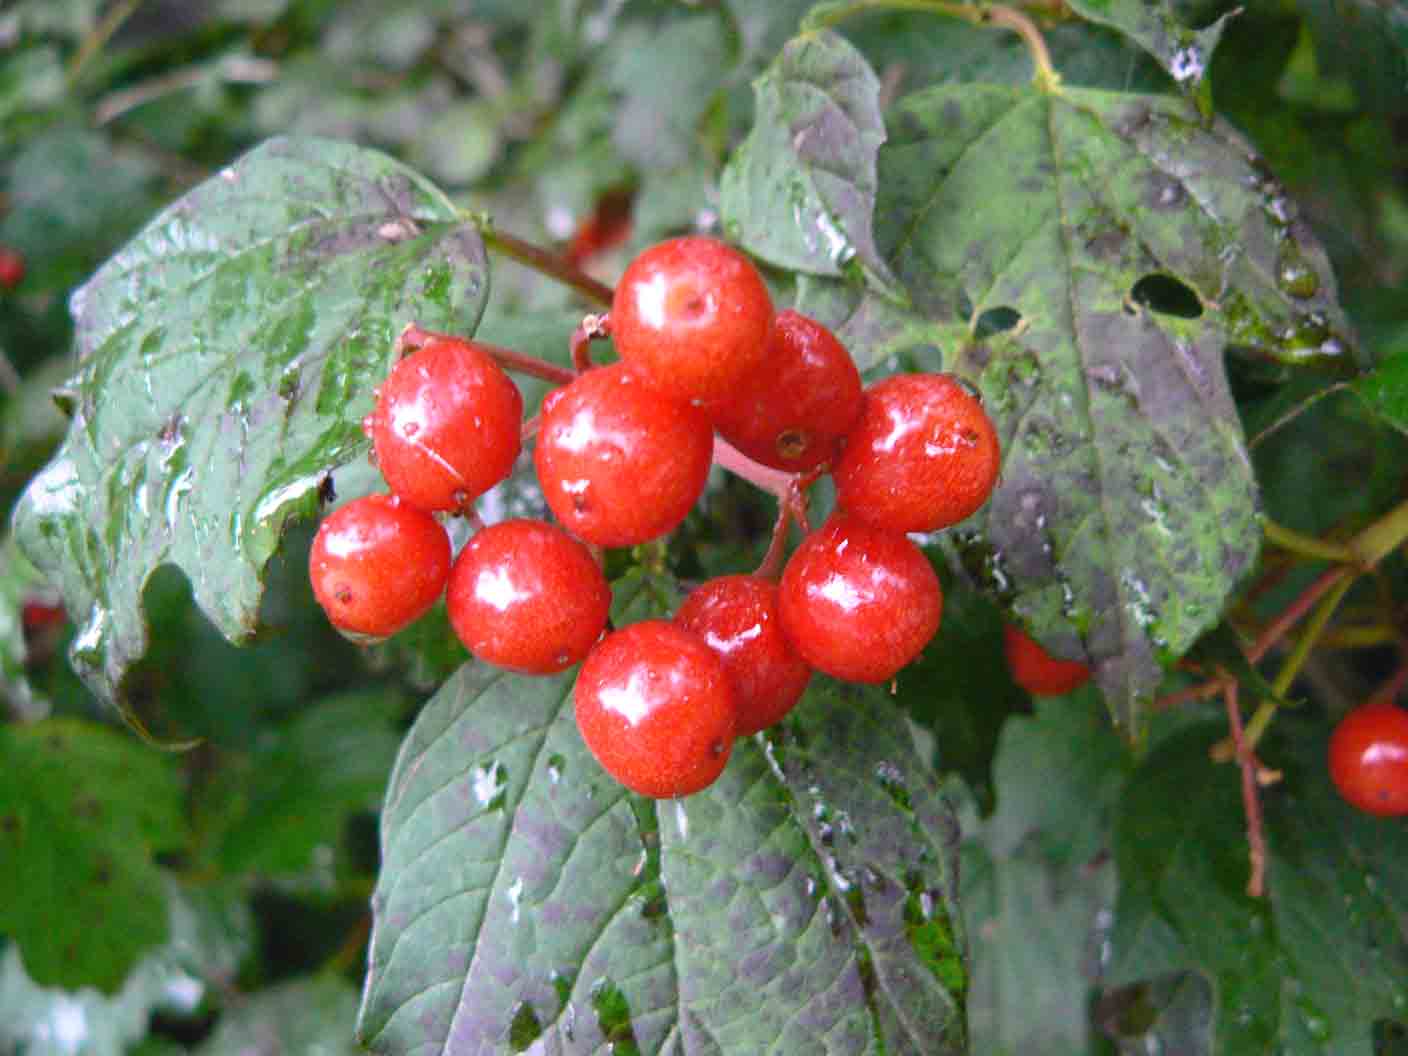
924,455
11,268
694,315
447,425
378,564
657,709
1369,758
526,596
1036,670
608,226
736,616
36,616
619,462
859,602
796,411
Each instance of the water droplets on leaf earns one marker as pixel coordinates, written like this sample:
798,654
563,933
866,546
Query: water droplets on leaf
489,785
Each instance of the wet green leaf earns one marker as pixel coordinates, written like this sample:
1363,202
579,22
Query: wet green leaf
82,810
800,190
1093,318
212,931
1386,389
19,580
1155,26
1309,968
804,902
312,1015
1366,43
227,356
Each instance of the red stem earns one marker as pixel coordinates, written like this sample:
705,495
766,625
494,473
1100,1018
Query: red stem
1277,629
1251,802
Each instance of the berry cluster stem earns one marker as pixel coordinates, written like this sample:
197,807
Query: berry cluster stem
543,261
1251,802
1045,76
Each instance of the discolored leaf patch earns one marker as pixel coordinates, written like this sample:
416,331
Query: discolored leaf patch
226,358
1088,257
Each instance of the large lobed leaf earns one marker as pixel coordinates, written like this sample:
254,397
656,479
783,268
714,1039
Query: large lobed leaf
83,809
1311,967
226,358
803,903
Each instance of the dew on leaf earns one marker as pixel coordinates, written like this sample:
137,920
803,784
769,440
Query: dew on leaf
489,783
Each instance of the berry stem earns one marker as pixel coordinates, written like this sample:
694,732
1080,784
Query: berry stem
591,328
415,336
1045,75
543,261
1305,545
1251,802
775,482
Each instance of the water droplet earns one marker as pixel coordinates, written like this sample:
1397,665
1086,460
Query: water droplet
556,763
1187,64
515,896
1294,275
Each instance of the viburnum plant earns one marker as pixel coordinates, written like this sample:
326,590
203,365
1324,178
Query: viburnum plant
893,561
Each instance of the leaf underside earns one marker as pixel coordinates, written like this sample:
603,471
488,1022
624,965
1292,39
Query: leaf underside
227,356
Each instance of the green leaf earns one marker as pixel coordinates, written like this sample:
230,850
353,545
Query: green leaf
311,1015
212,931
227,356
1365,41
274,809
18,582
82,810
1085,257
1386,389
803,903
1184,53
1312,966
800,190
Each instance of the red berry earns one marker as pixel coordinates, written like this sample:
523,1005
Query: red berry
619,462
608,227
527,596
447,425
736,616
656,708
1369,758
924,455
794,414
378,564
36,616
859,602
11,268
694,315
1036,670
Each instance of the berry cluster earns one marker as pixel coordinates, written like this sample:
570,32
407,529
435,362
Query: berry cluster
622,454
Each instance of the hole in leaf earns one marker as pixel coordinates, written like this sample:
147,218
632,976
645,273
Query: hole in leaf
996,321
1168,296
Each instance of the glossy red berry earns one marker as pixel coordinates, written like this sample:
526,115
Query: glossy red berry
736,617
447,425
526,596
1036,670
11,268
859,602
694,315
619,462
1369,758
924,455
378,564
796,411
657,709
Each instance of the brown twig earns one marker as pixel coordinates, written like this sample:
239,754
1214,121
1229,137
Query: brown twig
547,263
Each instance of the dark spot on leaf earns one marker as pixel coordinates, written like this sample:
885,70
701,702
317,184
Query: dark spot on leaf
978,354
9,824
102,871
525,1028
996,321
1166,295
88,807
1165,192
953,113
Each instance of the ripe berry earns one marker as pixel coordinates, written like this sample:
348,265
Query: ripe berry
378,564
694,315
11,268
736,616
656,708
527,596
794,414
1369,758
1036,670
619,462
859,602
446,426
923,456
